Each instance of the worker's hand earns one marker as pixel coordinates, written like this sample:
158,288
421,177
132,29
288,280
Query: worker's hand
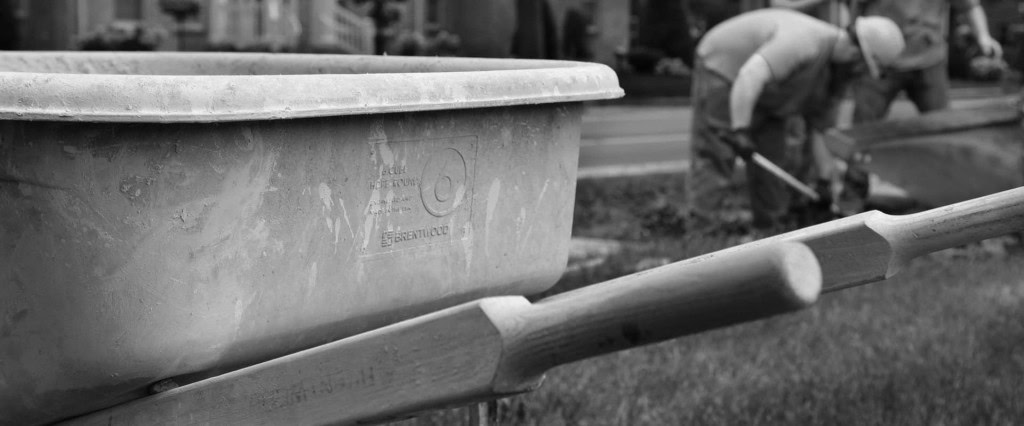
990,46
827,206
741,143
824,189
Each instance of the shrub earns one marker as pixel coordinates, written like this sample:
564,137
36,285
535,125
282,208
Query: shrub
643,59
123,35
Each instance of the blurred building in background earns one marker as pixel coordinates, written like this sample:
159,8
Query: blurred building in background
637,36
271,25
580,29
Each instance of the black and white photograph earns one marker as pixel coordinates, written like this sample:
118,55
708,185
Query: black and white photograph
511,212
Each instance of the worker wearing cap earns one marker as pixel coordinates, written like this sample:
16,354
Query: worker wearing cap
754,71
921,70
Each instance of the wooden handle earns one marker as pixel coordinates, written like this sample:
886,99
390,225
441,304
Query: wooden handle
953,225
486,348
784,176
655,305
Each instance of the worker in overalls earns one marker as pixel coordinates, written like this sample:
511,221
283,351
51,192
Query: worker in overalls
921,71
807,152
751,74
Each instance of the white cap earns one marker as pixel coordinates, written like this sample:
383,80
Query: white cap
880,40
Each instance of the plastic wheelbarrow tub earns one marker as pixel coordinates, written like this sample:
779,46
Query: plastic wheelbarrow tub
181,214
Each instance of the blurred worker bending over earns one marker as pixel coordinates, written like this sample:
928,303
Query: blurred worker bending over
755,71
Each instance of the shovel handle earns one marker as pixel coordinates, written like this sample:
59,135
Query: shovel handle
778,172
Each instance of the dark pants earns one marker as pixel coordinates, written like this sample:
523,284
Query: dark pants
928,88
712,161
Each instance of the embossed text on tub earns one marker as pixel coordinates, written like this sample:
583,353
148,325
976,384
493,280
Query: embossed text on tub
419,193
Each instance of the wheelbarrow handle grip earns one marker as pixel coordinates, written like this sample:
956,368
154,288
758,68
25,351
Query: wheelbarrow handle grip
655,305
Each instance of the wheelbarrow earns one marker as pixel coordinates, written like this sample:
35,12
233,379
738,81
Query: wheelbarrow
339,239
184,214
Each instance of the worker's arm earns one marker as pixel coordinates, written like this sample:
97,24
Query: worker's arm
979,23
801,5
753,76
821,118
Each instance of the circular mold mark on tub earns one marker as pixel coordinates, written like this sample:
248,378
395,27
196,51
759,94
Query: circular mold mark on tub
443,185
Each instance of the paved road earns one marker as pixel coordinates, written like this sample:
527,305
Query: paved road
634,140
625,140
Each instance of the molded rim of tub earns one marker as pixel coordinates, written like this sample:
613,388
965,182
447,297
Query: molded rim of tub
179,87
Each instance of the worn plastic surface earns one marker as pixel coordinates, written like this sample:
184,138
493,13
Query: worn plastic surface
170,214
216,87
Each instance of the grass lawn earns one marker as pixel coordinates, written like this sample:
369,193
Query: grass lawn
941,343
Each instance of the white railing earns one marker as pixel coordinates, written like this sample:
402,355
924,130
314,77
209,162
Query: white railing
277,25
354,32
254,24
336,28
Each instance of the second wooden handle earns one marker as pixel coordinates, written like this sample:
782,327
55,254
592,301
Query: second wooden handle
953,225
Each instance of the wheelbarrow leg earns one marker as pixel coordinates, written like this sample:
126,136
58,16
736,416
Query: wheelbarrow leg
480,413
